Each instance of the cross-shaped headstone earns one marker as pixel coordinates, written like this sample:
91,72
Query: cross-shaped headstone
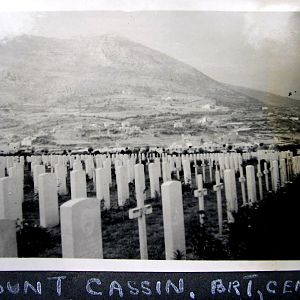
242,180
200,193
266,172
138,212
210,164
203,170
217,188
141,210
259,176
275,175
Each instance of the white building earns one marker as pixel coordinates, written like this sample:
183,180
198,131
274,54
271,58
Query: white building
26,142
178,124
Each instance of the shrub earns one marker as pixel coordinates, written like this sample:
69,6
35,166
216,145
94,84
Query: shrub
32,239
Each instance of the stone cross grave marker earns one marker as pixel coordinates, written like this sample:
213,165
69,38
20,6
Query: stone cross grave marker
141,210
173,218
81,232
203,171
242,180
48,200
200,193
196,172
259,176
266,172
218,188
210,165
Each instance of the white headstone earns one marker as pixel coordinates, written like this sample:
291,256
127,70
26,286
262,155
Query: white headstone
17,172
78,184
48,200
81,228
107,167
251,184
8,239
283,172
10,204
77,165
102,187
157,162
61,179
89,167
2,166
166,171
266,172
275,174
230,194
37,170
122,184
154,180
173,219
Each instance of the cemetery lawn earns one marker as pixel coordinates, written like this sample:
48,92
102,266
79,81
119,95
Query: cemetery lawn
267,230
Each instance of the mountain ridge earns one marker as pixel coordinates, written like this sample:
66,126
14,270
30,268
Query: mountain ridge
50,70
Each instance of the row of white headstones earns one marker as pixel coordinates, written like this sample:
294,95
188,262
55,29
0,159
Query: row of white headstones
80,217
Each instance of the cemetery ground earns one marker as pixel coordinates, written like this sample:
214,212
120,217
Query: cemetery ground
265,230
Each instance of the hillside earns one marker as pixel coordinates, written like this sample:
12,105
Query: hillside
71,92
47,71
265,97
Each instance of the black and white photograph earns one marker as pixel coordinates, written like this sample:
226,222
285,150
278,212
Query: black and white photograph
150,134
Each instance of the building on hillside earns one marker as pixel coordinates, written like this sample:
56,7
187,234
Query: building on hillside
109,124
208,106
229,138
26,142
178,124
202,121
125,124
14,146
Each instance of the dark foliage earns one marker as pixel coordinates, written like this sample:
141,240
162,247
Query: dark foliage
33,240
268,230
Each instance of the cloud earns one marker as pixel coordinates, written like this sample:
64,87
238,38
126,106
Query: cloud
262,28
14,24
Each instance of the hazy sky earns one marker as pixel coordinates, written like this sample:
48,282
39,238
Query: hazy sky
260,50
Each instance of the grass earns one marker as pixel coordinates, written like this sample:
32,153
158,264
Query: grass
267,230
